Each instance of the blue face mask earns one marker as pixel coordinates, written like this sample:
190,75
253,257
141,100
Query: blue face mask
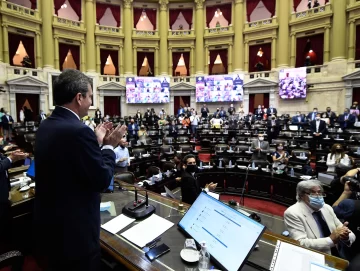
316,202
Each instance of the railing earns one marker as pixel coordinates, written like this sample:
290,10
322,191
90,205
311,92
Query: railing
111,78
68,23
262,74
108,29
24,11
260,23
145,33
186,79
14,72
311,12
218,29
321,69
181,32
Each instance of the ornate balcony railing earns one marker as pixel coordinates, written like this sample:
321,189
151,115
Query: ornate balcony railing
219,30
108,29
19,10
14,72
111,78
145,33
260,23
63,22
180,32
311,13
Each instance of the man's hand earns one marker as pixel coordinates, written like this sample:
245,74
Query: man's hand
347,191
344,234
123,159
258,149
8,147
18,155
178,179
113,137
211,186
101,129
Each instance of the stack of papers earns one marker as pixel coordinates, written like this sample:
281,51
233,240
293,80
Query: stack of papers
147,230
117,224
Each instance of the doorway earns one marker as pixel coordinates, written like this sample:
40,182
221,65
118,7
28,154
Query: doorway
356,95
31,101
180,100
258,99
111,106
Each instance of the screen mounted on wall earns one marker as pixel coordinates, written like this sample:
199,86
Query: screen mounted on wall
292,83
220,88
148,89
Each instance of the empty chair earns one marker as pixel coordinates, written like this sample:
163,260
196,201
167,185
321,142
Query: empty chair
168,165
153,132
30,137
152,170
145,140
168,140
221,147
182,131
185,148
136,152
182,139
279,141
17,124
166,148
126,176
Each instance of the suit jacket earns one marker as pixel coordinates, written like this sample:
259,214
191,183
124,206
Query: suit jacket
5,164
138,116
71,171
259,155
5,121
275,128
311,115
322,127
295,119
248,119
204,112
302,226
331,116
346,124
274,111
190,188
131,130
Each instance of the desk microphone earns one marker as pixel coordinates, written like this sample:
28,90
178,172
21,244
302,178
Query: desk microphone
138,208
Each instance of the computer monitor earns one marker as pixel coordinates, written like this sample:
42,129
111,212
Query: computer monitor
230,235
31,170
325,178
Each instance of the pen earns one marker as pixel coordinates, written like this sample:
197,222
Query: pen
153,241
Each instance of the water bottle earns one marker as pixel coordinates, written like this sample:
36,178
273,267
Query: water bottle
303,154
170,149
253,165
204,261
292,172
159,141
337,136
230,164
140,155
194,139
320,147
180,149
220,163
230,148
201,164
358,150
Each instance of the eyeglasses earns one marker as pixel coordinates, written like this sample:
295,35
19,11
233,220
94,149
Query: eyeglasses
317,195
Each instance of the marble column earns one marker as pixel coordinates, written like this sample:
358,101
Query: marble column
206,60
171,109
351,55
293,50
283,33
101,101
246,50
56,54
327,44
120,59
348,96
273,53
39,63
163,32
338,45
135,72
199,32
230,58
246,102
48,54
90,35
192,61
82,56
98,59
238,22
123,104
6,44
128,47
1,47
170,67
156,64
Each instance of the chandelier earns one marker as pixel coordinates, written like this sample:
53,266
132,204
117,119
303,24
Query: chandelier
143,15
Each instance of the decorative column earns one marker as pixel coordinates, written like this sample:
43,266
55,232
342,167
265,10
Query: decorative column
163,31
135,61
338,48
327,44
101,101
293,49
273,53
171,109
283,33
246,50
351,55
192,61
206,60
246,101
48,54
156,64
128,48
38,50
90,35
230,58
82,56
123,104
170,68
199,33
120,59
98,60
238,22
6,43
56,49
1,47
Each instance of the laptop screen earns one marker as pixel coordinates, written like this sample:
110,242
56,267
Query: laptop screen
31,170
230,240
325,178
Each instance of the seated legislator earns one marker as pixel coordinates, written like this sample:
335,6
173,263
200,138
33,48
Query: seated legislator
190,188
260,148
216,122
314,223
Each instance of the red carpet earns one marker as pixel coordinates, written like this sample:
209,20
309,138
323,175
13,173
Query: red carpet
259,205
29,265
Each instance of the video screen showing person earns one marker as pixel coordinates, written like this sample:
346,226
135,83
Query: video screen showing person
292,83
147,90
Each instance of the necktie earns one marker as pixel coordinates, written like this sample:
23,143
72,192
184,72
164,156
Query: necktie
324,229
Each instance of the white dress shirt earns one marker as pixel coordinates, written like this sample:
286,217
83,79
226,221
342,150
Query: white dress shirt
122,153
317,126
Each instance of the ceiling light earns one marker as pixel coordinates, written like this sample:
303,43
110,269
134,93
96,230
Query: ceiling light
310,51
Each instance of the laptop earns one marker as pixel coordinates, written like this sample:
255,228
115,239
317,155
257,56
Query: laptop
325,178
170,194
31,170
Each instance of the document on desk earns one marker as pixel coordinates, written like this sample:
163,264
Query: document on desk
319,267
147,230
288,257
214,195
117,224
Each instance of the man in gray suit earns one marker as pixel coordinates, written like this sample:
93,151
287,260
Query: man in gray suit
260,148
314,223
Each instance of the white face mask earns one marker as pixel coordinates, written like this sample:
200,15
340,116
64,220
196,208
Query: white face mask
317,118
261,138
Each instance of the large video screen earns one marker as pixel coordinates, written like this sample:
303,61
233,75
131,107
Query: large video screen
220,88
292,83
147,89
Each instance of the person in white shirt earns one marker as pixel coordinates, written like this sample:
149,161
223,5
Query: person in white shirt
336,157
90,123
122,157
194,122
216,122
22,115
42,116
162,113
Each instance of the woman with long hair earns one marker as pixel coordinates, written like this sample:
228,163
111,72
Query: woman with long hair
337,156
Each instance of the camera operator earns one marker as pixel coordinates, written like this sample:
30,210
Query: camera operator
347,208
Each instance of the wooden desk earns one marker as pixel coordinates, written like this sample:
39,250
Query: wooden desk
134,258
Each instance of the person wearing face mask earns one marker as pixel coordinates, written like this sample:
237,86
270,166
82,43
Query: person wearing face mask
273,128
222,112
7,122
346,120
190,188
337,156
260,148
133,129
250,118
181,110
122,157
314,223
280,157
318,129
355,106
328,114
138,117
271,111
231,110
216,122
217,112
204,111
312,115
259,113
298,118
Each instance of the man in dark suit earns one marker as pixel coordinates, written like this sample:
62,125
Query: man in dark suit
190,188
312,115
138,117
260,148
7,122
5,164
329,115
250,118
273,128
271,111
71,171
346,120
133,128
259,113
318,129
204,111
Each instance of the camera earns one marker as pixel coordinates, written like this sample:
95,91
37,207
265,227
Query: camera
354,184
